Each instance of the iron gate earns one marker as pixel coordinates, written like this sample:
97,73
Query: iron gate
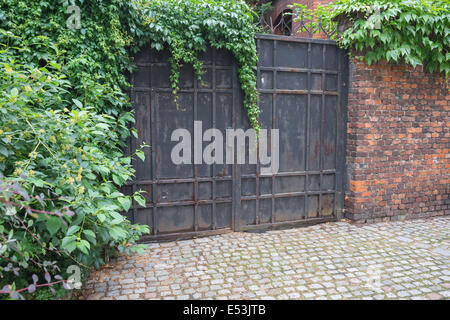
302,93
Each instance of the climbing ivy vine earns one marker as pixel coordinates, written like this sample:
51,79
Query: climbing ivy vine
187,27
414,31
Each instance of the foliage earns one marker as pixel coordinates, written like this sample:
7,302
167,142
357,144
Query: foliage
188,26
63,122
414,31
95,56
65,117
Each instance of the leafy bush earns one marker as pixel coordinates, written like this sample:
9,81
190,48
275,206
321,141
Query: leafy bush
414,31
60,166
188,26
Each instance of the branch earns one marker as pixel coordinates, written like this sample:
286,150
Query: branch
37,286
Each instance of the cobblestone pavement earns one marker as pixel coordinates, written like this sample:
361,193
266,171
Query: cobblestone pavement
396,260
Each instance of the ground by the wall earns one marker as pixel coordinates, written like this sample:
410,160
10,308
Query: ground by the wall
398,143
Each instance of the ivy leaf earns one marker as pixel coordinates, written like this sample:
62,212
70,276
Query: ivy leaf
101,217
4,151
89,233
117,179
117,218
117,233
55,65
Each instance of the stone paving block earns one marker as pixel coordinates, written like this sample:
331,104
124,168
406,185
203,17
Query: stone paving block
397,260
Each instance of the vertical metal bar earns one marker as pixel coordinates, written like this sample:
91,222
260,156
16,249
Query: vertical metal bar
322,125
341,132
257,193
153,150
345,88
258,167
194,164
214,114
236,169
149,106
307,142
337,134
214,209
274,124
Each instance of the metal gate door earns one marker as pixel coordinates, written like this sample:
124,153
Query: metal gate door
302,93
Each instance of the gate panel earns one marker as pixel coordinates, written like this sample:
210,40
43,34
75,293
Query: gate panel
188,199
300,85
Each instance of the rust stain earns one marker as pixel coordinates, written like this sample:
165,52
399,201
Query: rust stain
329,149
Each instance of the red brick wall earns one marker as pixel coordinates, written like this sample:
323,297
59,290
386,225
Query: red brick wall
398,143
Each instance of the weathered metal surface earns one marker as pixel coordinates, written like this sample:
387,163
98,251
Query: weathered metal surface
182,200
302,94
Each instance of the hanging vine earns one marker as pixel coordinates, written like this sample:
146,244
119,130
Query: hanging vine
187,27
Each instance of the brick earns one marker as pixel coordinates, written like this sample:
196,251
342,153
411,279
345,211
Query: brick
397,143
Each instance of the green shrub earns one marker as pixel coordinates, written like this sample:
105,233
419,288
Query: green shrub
60,167
64,119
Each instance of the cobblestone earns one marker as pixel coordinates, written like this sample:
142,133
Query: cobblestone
396,260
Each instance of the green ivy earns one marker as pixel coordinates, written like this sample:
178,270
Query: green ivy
187,27
416,32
